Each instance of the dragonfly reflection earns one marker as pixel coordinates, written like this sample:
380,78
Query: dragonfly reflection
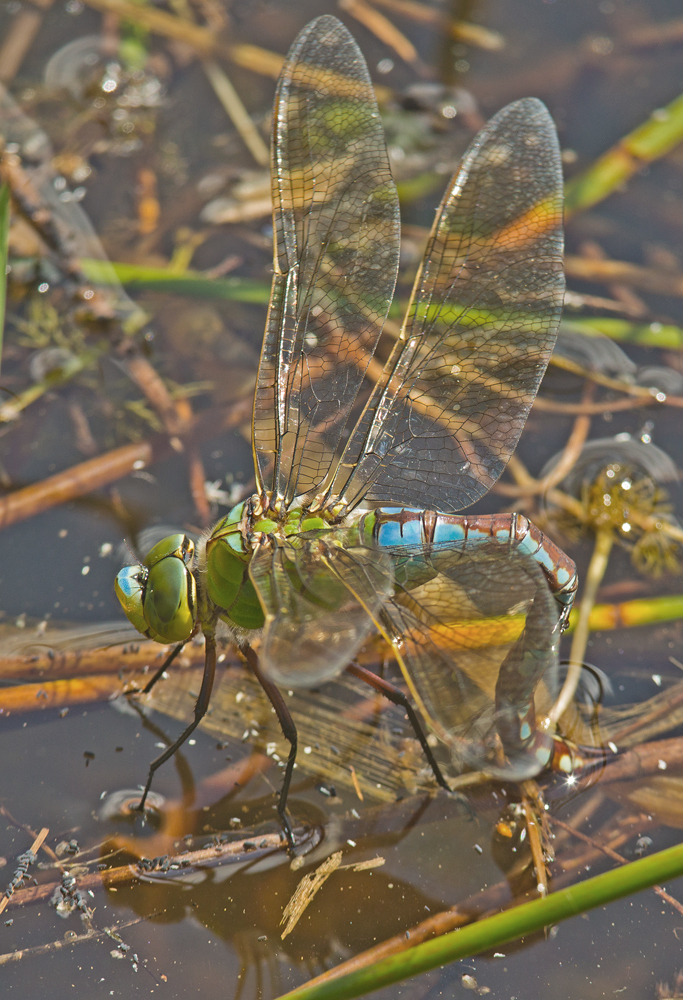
351,532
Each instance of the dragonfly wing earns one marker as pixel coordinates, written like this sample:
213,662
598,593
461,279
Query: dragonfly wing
318,598
450,406
336,233
477,644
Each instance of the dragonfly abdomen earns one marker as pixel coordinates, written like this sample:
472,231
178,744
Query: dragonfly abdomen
395,527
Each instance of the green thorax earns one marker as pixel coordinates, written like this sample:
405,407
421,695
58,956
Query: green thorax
230,546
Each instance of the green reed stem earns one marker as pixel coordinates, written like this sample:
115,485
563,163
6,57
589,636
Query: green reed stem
648,142
529,918
629,614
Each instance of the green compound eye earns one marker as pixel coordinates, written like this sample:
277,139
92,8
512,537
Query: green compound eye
159,597
129,586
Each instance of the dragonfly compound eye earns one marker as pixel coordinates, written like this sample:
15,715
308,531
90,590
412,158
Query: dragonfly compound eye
159,596
170,599
129,586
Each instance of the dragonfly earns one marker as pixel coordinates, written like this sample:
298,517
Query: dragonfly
354,528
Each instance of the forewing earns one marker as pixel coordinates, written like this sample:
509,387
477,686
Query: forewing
336,234
450,406
478,647
319,598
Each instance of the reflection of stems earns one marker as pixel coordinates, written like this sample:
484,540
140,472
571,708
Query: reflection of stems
604,540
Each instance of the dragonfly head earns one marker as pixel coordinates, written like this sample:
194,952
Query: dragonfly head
159,595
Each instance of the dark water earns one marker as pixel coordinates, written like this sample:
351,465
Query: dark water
217,933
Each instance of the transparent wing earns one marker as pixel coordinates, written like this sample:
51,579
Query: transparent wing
477,644
319,597
32,642
449,408
336,232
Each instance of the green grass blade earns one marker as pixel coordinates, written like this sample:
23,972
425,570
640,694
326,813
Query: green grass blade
649,141
4,249
529,918
162,279
647,334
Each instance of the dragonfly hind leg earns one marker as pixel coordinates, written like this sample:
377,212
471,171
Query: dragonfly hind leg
200,708
397,697
288,731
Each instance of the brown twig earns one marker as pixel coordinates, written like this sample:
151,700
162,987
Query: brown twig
57,694
33,849
650,36
383,29
4,811
526,485
532,804
113,878
20,36
633,305
48,664
643,760
662,893
461,31
197,478
604,271
61,943
97,472
545,405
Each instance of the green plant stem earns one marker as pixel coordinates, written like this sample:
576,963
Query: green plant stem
647,334
628,614
604,541
529,918
649,141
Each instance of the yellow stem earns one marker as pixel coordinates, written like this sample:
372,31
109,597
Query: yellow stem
604,540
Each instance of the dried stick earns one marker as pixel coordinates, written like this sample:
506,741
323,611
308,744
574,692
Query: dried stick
31,853
97,472
161,869
662,893
61,943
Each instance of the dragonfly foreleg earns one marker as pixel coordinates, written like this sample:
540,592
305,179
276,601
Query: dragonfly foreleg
200,708
288,731
164,666
397,697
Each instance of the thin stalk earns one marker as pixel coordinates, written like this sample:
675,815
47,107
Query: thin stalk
231,101
604,540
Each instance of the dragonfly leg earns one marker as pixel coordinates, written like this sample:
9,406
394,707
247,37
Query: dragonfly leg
200,708
397,697
288,731
164,666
